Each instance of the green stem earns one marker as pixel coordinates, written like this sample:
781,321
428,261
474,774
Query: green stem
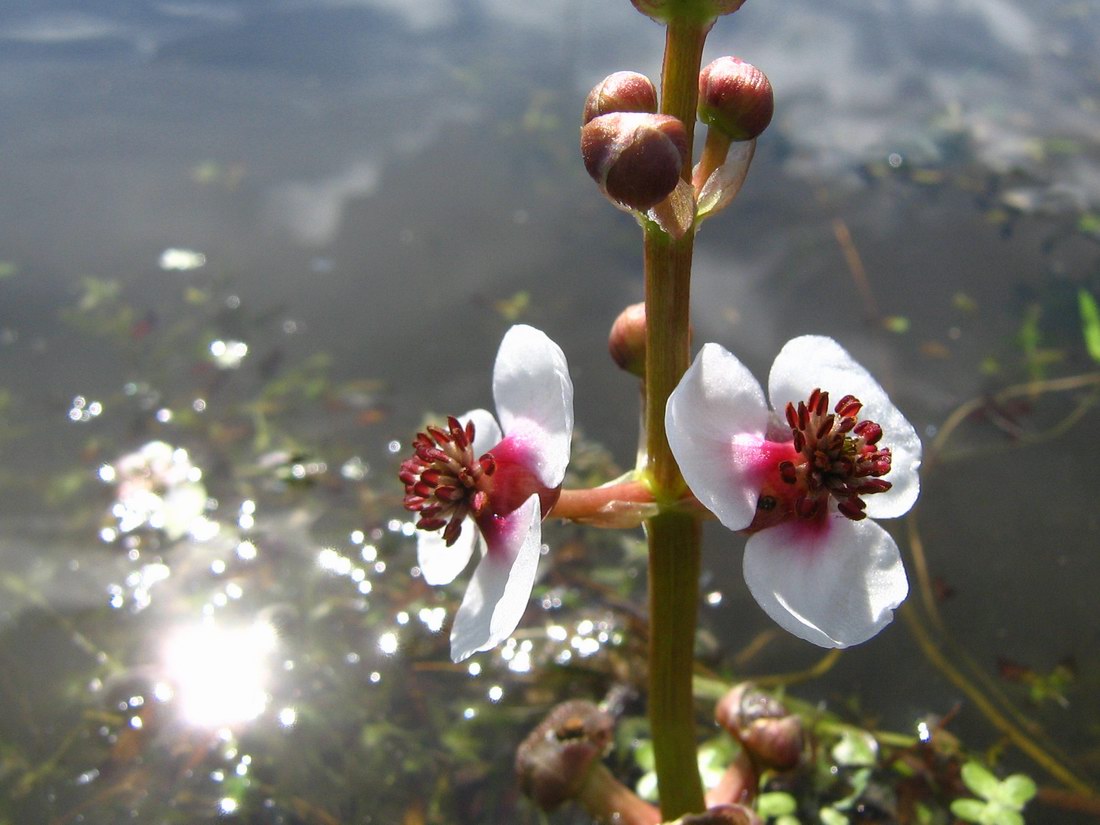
673,587
674,537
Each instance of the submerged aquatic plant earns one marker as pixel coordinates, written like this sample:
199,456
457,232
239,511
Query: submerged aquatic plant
157,487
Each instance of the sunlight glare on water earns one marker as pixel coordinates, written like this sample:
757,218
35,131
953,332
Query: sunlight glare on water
221,674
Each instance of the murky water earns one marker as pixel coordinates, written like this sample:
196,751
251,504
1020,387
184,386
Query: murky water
365,195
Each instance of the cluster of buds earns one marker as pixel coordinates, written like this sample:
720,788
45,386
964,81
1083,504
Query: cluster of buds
634,154
638,157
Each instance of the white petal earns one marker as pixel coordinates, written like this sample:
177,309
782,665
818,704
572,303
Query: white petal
815,361
534,398
487,432
835,587
714,420
439,563
501,585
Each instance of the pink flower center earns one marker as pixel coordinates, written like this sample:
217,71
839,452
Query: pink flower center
830,454
444,481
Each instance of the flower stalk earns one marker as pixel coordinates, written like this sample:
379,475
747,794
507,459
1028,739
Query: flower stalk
673,537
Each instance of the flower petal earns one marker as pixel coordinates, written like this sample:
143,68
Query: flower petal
715,421
501,585
534,398
487,432
441,564
815,361
834,586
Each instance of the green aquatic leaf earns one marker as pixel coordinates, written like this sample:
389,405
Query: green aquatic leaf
775,803
980,780
971,810
1090,322
1016,791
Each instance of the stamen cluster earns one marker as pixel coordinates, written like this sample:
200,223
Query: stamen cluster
444,481
839,456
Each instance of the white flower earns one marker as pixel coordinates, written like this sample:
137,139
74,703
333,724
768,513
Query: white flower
496,481
797,482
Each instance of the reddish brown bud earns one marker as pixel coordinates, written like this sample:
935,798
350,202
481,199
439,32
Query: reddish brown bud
769,734
626,343
553,762
723,815
664,10
621,92
736,98
635,157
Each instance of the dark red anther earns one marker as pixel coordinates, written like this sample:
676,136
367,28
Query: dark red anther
869,431
799,441
873,485
846,425
458,434
815,396
803,415
792,416
451,532
852,508
837,456
848,406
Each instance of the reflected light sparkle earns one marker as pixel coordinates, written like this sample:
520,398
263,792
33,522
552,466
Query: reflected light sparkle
220,674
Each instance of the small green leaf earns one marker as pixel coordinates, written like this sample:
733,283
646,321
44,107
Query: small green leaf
1016,791
969,809
775,803
1090,323
787,819
980,781
831,816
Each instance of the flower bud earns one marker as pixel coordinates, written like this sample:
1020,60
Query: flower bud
769,734
626,343
635,157
736,98
665,10
553,762
621,92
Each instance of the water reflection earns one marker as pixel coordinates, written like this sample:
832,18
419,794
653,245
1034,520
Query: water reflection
220,674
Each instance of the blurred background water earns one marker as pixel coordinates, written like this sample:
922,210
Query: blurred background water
279,235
